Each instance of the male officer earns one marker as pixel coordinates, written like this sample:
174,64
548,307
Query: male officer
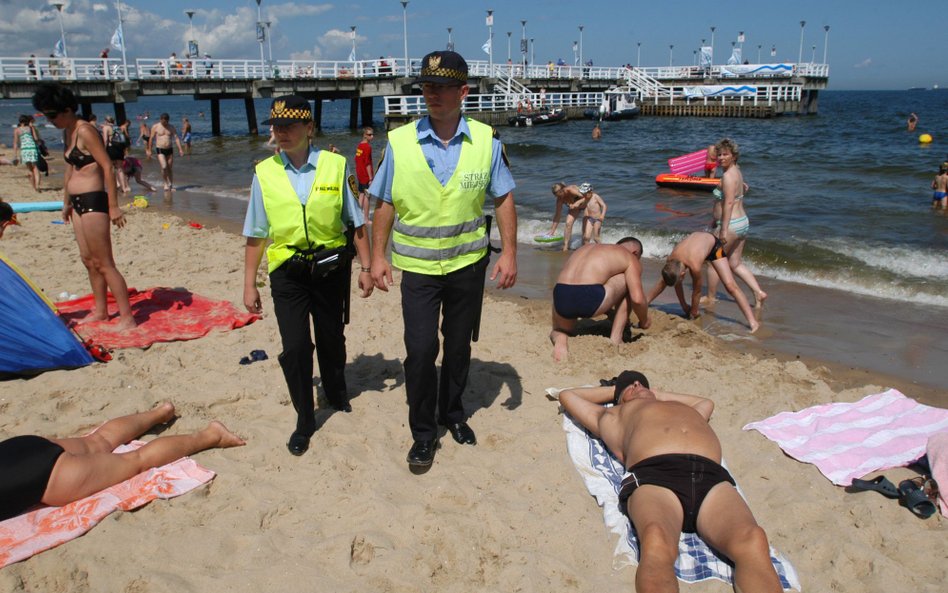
431,187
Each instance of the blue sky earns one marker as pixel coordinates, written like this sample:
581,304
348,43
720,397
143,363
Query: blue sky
872,44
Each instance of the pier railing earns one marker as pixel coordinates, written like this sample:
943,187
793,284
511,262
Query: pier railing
84,69
414,105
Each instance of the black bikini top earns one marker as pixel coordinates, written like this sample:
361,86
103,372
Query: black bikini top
77,158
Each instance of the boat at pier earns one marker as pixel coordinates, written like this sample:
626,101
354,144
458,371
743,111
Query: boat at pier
616,104
538,118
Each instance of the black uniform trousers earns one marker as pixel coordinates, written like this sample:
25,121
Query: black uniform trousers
458,296
297,300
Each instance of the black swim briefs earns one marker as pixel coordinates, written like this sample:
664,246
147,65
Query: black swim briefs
93,201
689,477
165,151
717,252
26,463
573,301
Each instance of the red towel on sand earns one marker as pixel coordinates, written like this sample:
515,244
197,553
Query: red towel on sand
163,315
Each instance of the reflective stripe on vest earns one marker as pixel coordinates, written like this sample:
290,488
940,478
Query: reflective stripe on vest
439,229
286,214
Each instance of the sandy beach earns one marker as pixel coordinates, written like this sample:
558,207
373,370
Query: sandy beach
510,514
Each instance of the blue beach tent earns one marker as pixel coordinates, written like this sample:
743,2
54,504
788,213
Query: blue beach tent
33,338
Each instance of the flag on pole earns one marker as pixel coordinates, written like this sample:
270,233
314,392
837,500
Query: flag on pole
773,51
117,40
352,55
60,49
486,46
740,38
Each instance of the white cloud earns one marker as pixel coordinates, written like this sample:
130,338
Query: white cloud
863,64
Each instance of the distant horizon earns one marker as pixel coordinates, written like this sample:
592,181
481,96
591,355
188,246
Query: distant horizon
867,49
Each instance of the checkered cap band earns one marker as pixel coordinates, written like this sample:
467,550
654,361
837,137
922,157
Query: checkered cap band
457,75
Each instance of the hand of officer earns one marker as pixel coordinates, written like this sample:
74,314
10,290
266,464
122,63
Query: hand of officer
381,273
366,284
252,300
505,270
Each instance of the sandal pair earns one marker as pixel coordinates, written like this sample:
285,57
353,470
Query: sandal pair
916,494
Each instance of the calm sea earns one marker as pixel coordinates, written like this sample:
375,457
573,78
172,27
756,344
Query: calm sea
839,200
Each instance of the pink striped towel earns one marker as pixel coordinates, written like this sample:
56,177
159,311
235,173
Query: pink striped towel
688,163
47,527
850,440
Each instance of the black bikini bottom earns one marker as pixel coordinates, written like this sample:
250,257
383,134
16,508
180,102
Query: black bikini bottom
93,201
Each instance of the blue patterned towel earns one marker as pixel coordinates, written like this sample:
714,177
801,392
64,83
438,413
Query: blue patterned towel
602,473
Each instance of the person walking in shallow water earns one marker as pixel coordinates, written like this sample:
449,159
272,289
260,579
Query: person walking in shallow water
912,122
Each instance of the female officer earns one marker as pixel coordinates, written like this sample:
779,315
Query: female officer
301,201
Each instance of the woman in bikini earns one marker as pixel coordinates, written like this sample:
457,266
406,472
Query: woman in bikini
90,202
731,224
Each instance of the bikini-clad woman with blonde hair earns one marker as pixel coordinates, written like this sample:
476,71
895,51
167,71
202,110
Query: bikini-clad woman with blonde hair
731,224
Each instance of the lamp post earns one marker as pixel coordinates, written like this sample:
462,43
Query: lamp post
758,52
490,42
671,49
638,55
509,33
533,51
813,54
405,35
190,14
582,64
353,54
260,35
118,7
712,46
696,57
800,56
269,43
450,40
523,44
62,30
826,40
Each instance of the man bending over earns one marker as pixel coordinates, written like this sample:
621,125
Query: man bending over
595,280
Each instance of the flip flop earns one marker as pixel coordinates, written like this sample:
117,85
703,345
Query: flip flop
880,484
912,497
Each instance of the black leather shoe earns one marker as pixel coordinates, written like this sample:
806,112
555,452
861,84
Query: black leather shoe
298,443
462,433
422,453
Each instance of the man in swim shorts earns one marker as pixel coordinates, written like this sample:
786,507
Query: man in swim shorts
162,134
690,255
598,279
940,187
676,482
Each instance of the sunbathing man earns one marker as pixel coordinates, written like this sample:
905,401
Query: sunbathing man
59,471
598,279
690,254
676,483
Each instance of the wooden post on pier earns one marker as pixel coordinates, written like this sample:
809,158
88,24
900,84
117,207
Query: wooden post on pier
251,115
366,111
318,113
216,117
120,115
86,108
353,113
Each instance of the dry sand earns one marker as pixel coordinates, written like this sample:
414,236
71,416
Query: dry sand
510,514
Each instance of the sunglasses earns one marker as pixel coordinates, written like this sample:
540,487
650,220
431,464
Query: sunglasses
51,115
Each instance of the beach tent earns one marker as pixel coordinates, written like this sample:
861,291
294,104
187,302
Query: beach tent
33,338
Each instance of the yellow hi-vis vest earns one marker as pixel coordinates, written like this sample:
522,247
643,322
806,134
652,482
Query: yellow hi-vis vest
439,229
297,227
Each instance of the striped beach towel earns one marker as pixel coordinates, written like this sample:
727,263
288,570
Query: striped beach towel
602,473
47,527
688,163
849,440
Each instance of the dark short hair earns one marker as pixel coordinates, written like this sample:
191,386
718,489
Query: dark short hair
625,379
671,272
630,240
164,116
6,211
24,119
54,97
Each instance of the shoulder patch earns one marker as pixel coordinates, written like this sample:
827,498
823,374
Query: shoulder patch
353,187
